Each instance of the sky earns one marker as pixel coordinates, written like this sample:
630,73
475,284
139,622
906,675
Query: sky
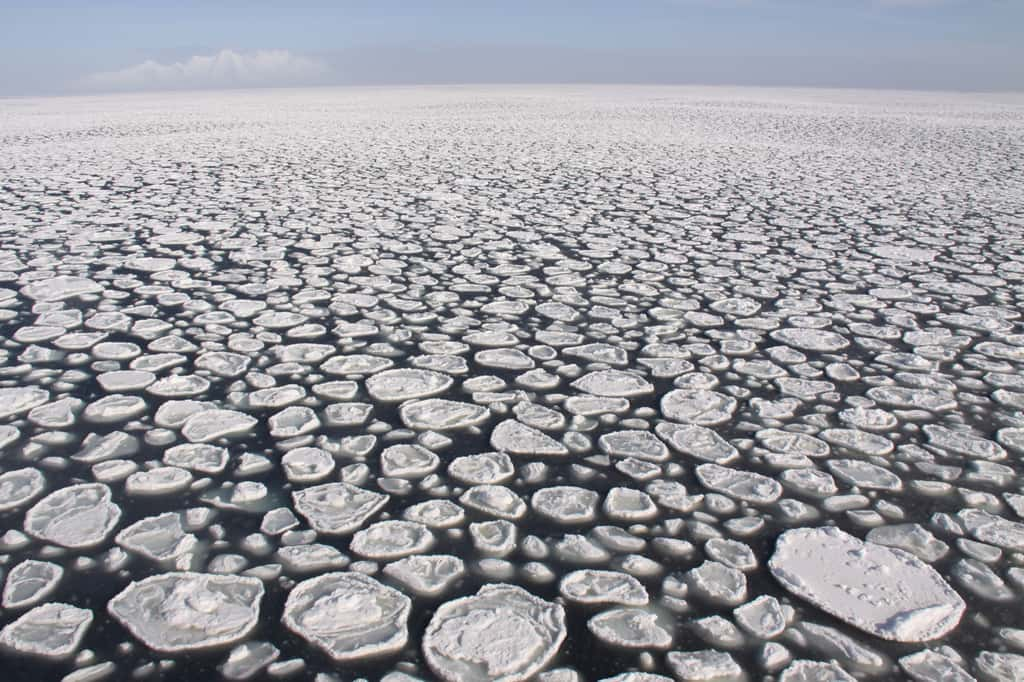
78,46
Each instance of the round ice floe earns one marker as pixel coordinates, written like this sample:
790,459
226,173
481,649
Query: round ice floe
350,616
435,514
627,505
818,340
591,586
910,537
208,425
179,386
429,575
929,665
613,383
158,481
706,665
995,530
19,487
173,413
913,398
51,630
114,408
396,385
347,414
815,671
292,422
697,442
16,401
630,628
592,405
60,288
812,482
307,465
30,582
276,397
742,485
9,434
59,414
315,558
501,633
201,457
337,508
864,474
539,417
408,460
493,538
903,253
886,592
517,438
995,666
485,468
762,617
566,504
223,363
389,540
77,517
125,380
434,414
496,500
504,358
176,612
859,442
642,445
718,583
157,537
792,443
701,407
355,365
869,419
963,444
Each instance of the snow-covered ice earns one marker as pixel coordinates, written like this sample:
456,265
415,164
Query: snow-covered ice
575,383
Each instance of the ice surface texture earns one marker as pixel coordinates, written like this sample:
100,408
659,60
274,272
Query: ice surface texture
559,384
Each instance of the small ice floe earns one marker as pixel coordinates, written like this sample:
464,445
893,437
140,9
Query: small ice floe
426,575
337,508
593,586
18,487
78,516
51,630
209,425
631,628
30,582
350,616
503,632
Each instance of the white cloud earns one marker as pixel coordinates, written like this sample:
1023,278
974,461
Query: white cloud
226,69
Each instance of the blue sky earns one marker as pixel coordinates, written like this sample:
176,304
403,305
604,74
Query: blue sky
51,46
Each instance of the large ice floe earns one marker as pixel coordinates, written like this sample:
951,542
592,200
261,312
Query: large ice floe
175,612
553,384
882,590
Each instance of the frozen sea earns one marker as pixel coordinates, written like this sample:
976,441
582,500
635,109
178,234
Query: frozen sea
512,383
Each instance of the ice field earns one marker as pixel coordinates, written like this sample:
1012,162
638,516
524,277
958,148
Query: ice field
522,383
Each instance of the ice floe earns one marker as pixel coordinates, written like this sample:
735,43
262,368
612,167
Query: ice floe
886,592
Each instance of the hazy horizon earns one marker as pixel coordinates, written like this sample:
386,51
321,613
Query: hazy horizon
946,45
